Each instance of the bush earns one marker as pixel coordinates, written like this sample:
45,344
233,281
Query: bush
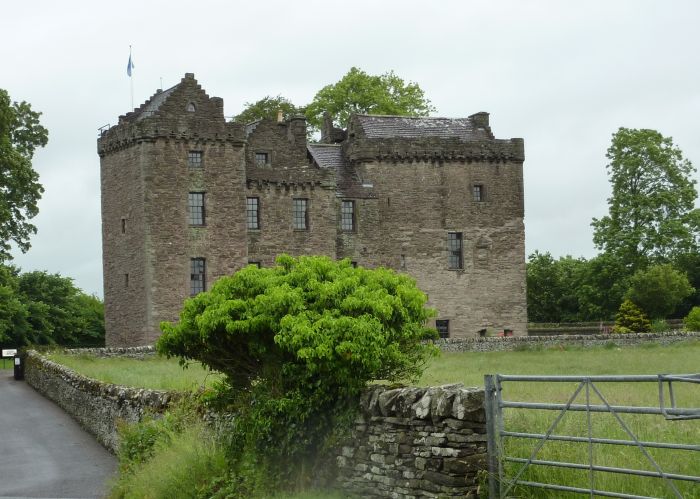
297,344
660,326
692,320
630,319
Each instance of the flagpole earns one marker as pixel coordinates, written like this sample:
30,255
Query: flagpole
131,80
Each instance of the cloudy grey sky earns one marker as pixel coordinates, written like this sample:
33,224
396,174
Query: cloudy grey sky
562,75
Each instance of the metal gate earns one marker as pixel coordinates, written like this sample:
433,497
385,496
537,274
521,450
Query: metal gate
506,472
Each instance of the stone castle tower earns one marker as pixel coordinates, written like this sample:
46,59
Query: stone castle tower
188,197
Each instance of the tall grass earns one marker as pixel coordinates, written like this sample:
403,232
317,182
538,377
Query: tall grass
156,372
649,359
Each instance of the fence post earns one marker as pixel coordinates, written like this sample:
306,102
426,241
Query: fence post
492,429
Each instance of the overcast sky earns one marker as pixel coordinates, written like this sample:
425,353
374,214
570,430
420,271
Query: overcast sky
562,75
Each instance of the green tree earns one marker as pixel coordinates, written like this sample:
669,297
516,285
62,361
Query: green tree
13,310
692,320
267,107
602,287
298,343
630,319
359,92
651,210
659,289
58,313
20,134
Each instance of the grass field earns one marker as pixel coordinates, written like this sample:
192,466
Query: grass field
469,368
157,373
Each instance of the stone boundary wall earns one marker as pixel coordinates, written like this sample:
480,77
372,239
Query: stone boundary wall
416,442
104,352
510,343
97,406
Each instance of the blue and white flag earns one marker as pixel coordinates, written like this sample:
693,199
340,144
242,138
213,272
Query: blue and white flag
129,66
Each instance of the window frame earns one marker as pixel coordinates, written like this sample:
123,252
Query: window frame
195,159
198,275
344,218
257,156
249,209
455,252
478,193
196,209
446,324
296,213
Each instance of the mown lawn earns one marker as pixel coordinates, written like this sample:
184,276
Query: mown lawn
155,372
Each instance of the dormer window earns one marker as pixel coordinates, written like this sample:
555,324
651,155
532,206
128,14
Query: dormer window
191,108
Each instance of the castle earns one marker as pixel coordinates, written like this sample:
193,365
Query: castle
188,196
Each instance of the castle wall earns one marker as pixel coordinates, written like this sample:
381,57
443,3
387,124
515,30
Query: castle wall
418,203
125,272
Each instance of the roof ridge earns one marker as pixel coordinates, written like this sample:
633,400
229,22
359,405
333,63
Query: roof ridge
411,117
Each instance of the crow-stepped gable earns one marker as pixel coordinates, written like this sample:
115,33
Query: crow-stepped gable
188,197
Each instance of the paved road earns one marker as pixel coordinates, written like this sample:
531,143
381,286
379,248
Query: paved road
43,452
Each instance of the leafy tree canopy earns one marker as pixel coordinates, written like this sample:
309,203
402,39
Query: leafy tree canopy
267,107
659,289
297,343
359,92
651,210
20,190
47,309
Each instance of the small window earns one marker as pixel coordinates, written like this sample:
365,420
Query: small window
257,264
194,159
478,193
300,214
126,280
353,264
454,250
197,275
123,225
191,108
195,208
252,212
347,216
262,159
443,328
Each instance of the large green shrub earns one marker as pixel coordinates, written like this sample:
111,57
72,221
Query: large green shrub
297,343
692,320
630,319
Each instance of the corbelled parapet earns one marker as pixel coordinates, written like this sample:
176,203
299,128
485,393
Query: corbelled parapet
162,116
402,138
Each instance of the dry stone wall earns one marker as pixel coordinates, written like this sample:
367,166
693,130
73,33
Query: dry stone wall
416,442
97,406
511,343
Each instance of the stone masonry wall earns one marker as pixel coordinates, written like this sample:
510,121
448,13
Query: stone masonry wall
95,405
507,344
416,442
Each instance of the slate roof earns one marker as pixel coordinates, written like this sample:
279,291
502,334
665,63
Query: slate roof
416,127
327,155
154,103
348,182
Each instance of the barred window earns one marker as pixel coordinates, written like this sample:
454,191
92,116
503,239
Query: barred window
300,214
262,159
194,159
347,216
478,192
443,328
454,250
197,275
195,208
252,212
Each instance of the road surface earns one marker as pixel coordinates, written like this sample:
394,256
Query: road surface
43,452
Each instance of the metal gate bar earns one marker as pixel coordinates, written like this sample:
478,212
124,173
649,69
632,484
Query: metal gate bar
496,432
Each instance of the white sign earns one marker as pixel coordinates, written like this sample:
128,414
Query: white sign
9,353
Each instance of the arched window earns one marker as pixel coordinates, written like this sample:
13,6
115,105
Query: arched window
191,108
